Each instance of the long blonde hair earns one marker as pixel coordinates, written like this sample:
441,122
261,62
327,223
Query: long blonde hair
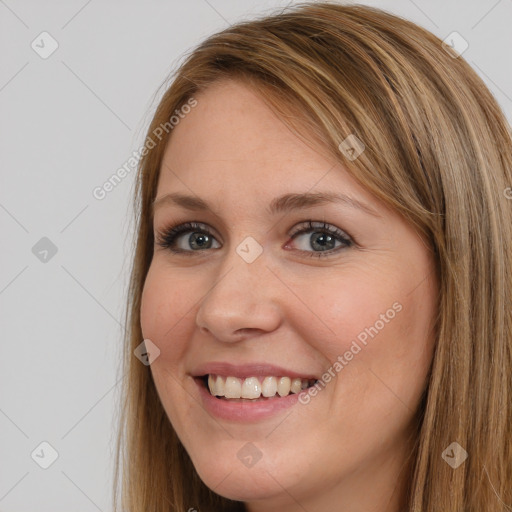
438,151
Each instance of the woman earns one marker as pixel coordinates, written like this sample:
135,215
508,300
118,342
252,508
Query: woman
322,276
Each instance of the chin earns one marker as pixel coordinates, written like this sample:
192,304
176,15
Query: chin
239,484
241,474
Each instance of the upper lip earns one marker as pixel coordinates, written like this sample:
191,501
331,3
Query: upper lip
244,370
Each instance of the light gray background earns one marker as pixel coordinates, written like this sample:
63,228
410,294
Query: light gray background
68,122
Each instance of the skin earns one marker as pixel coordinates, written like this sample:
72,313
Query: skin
344,450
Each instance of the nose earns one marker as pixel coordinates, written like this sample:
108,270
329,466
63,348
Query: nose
242,302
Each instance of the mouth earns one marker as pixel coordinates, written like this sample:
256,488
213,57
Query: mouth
254,388
248,393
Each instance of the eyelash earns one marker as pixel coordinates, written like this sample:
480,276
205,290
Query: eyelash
166,238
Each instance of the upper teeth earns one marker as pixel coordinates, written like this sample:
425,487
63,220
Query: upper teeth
252,387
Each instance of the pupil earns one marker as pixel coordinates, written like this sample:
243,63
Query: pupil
326,240
199,239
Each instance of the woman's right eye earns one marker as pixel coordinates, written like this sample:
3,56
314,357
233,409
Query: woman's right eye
200,238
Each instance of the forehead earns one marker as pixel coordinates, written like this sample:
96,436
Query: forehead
232,122
233,138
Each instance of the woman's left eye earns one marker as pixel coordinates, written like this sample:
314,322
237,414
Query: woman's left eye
323,238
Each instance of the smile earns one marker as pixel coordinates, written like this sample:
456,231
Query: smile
249,392
254,388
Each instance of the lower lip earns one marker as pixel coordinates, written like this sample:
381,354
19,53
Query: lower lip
246,411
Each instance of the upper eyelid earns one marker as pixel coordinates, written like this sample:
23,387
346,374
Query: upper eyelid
299,228
206,226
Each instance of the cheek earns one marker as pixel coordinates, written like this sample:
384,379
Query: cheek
404,355
358,307
376,335
164,306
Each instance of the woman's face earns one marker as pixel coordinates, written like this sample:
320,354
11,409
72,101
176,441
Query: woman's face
265,302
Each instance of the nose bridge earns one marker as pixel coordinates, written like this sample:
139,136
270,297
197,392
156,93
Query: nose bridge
241,297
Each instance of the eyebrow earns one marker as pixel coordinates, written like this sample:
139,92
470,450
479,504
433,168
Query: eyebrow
281,204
